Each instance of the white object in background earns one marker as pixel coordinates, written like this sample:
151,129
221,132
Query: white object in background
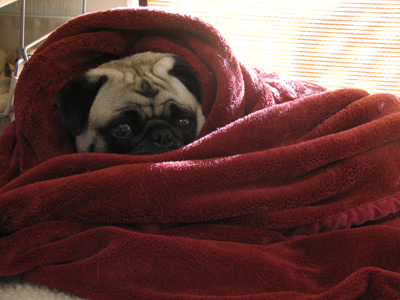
14,78
6,2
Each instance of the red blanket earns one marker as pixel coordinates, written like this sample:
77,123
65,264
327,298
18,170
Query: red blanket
290,192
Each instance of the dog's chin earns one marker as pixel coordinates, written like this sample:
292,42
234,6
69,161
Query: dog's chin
144,147
150,148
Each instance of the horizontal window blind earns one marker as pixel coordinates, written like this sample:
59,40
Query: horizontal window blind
333,43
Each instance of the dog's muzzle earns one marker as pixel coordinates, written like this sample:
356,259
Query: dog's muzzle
162,138
158,136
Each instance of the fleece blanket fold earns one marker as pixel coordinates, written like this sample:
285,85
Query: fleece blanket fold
290,192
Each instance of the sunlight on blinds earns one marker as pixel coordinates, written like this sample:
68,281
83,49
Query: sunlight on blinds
334,43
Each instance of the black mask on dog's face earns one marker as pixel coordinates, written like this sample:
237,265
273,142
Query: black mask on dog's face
148,103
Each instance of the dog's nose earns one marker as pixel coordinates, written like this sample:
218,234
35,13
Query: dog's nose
161,137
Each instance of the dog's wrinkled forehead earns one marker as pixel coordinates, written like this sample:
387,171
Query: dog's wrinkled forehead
143,81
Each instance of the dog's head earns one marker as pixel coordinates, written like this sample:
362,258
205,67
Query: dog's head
148,103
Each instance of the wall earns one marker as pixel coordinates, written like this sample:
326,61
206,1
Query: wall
43,16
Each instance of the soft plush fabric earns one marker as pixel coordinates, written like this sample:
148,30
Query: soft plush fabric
290,192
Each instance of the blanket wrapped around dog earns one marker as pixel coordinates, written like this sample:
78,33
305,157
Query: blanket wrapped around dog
290,191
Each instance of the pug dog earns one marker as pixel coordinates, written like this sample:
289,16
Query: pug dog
148,103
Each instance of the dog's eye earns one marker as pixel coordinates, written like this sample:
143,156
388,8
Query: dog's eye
121,130
185,124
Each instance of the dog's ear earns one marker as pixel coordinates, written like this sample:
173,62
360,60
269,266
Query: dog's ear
187,76
75,99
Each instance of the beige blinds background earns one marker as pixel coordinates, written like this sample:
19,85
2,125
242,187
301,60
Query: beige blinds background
334,43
